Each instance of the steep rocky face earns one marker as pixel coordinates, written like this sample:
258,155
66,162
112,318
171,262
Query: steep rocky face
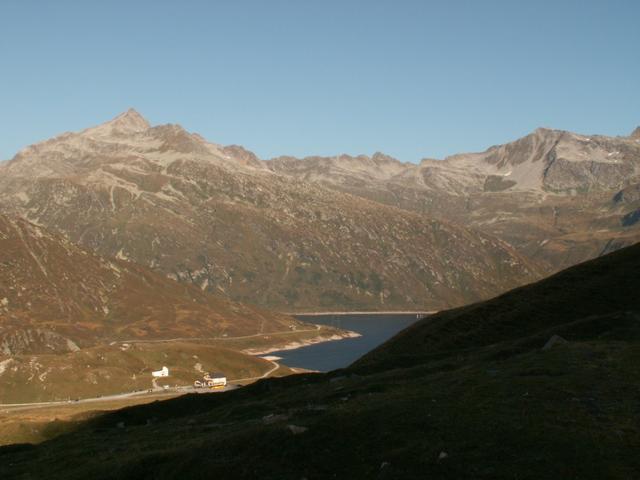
548,194
56,297
216,217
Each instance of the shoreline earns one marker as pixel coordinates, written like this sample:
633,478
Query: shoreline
302,343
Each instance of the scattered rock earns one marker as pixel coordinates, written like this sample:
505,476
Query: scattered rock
120,425
553,341
443,455
296,429
317,408
274,418
384,465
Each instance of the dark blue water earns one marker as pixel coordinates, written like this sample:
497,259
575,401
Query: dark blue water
374,328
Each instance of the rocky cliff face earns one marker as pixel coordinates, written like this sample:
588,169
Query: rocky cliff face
218,218
549,194
56,297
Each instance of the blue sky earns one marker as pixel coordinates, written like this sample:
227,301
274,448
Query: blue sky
413,79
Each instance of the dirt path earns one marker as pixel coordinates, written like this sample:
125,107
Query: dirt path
190,339
276,366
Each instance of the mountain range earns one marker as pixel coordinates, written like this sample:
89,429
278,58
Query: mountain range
224,220
557,197
127,246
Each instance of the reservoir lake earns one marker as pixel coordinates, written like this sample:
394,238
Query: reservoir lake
374,328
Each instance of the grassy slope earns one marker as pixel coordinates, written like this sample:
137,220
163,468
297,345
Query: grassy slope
472,382
113,369
108,370
50,285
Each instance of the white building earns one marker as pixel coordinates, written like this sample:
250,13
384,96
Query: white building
161,373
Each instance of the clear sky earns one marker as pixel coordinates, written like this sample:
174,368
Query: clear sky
413,79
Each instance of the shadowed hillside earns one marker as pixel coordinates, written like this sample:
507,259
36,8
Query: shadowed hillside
577,302
474,393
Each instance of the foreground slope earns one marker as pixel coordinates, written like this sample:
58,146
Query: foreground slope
216,217
556,196
478,392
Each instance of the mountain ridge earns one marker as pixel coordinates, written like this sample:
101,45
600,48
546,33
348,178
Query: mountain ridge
217,217
550,194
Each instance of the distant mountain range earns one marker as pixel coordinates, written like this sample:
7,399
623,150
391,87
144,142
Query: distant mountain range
557,197
220,218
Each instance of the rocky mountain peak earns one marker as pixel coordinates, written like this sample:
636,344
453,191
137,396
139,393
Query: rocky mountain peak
243,156
126,123
635,134
130,120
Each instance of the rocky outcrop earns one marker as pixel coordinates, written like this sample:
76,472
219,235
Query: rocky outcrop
34,341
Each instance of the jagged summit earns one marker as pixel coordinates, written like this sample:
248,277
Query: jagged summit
380,157
130,120
635,133
126,123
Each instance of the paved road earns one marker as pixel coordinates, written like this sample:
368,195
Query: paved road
155,392
120,396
